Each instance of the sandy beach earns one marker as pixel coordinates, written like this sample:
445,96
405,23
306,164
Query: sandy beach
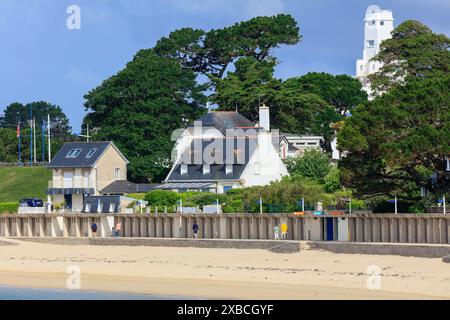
223,273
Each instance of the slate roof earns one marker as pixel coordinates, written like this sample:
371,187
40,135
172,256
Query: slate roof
242,148
124,187
223,120
60,160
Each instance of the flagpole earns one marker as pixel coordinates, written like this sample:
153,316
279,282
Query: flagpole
34,134
43,140
19,136
48,133
260,205
31,135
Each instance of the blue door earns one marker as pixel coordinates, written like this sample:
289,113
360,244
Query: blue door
329,229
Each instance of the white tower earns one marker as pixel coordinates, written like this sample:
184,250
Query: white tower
378,26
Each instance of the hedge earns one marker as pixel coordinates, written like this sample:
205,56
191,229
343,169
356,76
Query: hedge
9,207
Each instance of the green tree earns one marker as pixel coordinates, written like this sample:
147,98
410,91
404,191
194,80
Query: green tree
342,91
140,107
8,145
17,111
291,109
210,53
314,165
395,143
414,52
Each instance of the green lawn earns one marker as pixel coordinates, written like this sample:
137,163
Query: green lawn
19,183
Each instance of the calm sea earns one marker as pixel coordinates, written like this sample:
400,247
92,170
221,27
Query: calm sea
7,293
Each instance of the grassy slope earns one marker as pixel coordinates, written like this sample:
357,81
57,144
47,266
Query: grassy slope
19,183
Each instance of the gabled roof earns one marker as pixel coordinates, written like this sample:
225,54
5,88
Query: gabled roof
223,120
60,160
242,148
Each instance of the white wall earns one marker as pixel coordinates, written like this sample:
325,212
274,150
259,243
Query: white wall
265,165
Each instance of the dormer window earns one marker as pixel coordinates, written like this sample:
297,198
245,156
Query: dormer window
229,169
206,169
183,169
91,153
73,153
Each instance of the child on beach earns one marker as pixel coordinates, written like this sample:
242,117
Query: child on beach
276,232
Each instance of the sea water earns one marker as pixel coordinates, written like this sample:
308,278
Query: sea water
8,293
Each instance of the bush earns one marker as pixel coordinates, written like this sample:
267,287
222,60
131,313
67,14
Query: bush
314,164
162,198
9,207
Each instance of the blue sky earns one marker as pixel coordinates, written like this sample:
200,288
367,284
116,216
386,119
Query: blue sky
40,59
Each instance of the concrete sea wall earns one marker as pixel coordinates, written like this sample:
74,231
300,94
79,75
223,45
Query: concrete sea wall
361,228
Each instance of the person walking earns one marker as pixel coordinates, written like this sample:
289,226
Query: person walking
276,232
94,229
195,228
118,228
284,231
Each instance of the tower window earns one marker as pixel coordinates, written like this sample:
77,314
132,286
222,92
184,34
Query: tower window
381,23
370,43
371,23
183,169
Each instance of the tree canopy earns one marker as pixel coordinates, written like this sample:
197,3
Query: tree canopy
397,142
18,111
314,165
295,107
211,52
140,107
413,52
60,129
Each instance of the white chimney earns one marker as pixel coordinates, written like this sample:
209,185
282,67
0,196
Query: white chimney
264,117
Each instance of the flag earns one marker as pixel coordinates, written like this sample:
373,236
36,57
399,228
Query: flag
18,129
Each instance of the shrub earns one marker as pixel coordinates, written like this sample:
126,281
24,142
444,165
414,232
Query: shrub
314,164
9,207
162,198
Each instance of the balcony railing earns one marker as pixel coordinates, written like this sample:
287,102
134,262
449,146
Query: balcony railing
76,183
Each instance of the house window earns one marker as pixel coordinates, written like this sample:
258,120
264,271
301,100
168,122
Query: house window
229,169
91,153
73,153
381,23
371,23
100,207
371,43
87,208
183,169
117,173
227,188
206,169
112,207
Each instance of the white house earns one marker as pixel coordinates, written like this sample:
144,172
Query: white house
378,25
295,145
224,150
